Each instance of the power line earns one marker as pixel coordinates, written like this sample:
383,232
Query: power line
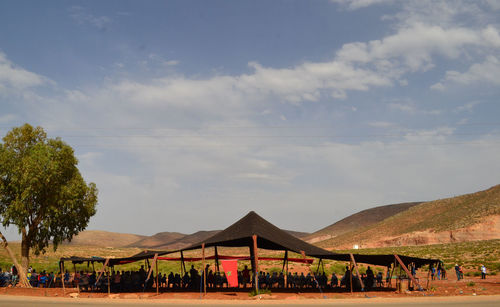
279,145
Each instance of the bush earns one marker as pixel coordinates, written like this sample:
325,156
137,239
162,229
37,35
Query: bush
471,284
261,291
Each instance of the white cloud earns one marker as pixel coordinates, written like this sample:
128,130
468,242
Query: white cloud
15,78
467,107
7,118
156,59
416,45
441,13
433,135
485,72
83,17
381,124
358,4
407,108
438,86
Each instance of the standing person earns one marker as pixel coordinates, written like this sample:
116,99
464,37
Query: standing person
457,271
14,272
439,271
388,275
246,276
461,270
483,271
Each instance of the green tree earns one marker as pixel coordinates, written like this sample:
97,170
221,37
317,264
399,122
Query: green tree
42,191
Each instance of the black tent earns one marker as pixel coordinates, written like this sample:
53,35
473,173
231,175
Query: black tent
255,232
240,234
271,237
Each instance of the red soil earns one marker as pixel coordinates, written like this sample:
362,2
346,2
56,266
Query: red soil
466,287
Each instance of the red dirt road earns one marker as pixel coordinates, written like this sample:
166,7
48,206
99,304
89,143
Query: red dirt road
470,286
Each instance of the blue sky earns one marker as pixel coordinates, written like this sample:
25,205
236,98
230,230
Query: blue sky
189,114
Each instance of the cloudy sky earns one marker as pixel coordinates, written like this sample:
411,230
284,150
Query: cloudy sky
189,114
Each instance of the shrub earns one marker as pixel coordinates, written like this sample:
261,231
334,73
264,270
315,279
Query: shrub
471,284
261,291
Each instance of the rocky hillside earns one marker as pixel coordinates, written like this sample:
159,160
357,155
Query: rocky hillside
361,219
468,217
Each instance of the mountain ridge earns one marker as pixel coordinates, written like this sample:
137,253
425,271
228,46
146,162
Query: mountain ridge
473,216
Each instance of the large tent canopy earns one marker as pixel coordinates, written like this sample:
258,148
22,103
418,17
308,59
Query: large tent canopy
240,234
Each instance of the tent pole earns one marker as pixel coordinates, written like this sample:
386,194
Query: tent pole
255,264
392,273
350,276
183,265
285,263
182,272
428,274
109,284
319,263
150,271
216,260
357,272
203,268
407,272
102,270
61,265
157,279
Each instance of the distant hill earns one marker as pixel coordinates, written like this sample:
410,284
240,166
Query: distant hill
104,238
186,240
162,240
361,219
196,237
298,234
157,239
468,217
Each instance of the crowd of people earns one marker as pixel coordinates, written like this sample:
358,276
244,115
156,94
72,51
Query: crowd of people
130,281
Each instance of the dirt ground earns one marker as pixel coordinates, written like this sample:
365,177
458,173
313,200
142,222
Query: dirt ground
470,286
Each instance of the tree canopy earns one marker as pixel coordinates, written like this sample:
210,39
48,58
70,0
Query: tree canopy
42,191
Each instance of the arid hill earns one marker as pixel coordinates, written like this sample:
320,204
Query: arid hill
105,238
298,234
157,239
464,218
361,219
162,240
185,241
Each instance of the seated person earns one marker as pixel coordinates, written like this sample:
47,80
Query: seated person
335,281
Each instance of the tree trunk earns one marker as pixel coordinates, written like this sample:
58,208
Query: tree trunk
25,252
23,280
